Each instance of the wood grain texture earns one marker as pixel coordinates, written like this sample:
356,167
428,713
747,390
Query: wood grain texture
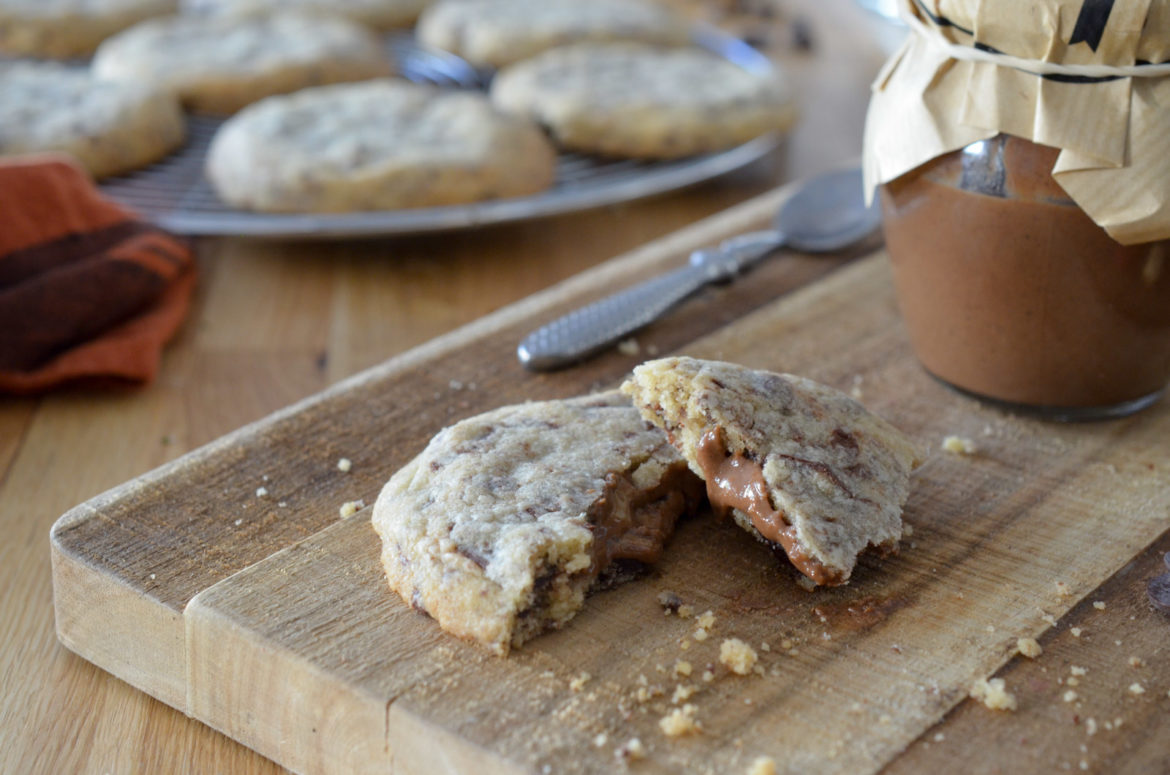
305,655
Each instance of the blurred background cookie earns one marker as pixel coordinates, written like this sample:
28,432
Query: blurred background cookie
220,64
64,29
628,99
109,127
377,145
379,14
493,33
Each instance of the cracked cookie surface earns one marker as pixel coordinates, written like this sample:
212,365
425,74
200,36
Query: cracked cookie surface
505,522
800,465
376,145
634,100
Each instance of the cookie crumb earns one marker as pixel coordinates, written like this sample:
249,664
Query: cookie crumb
708,676
738,656
682,693
349,508
578,683
762,765
261,492
1076,632
629,346
939,737
631,750
682,667
1099,605
1029,647
1062,589
958,445
1069,696
344,465
1136,662
1090,726
680,721
1136,688
670,602
700,634
1076,670
238,522
601,740
993,694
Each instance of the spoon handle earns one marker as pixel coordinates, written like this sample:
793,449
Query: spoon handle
588,329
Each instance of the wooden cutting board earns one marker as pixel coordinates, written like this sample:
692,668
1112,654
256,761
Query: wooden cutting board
226,585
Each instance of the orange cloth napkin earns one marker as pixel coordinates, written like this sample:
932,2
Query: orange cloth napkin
86,289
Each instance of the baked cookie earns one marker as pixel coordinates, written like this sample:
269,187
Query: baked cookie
109,127
504,523
379,14
624,99
376,145
220,64
801,466
494,33
66,29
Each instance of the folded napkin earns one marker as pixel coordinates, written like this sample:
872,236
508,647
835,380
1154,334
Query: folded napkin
87,291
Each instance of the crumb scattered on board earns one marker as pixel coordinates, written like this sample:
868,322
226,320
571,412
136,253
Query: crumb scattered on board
680,722
349,508
737,656
958,445
994,694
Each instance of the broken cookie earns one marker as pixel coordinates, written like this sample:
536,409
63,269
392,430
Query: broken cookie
803,467
505,522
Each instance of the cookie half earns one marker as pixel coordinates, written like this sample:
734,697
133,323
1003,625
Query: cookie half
494,33
631,100
109,127
376,145
801,466
220,64
504,523
378,14
67,29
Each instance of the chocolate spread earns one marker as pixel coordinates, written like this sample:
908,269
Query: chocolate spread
633,524
735,481
1014,293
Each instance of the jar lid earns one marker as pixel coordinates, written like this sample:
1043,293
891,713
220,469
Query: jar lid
1089,77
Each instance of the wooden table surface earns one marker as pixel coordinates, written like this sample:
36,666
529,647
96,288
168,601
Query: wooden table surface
273,323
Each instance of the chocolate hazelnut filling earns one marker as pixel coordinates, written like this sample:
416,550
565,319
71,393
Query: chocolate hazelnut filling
629,524
735,481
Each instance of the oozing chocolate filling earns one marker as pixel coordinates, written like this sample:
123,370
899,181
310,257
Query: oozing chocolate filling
633,524
735,481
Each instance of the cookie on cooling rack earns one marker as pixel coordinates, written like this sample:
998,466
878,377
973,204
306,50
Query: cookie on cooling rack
66,29
504,523
377,145
219,64
379,14
493,33
109,127
799,465
631,100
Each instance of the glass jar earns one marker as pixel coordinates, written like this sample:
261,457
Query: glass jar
1011,293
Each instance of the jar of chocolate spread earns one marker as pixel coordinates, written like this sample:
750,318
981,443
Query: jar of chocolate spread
1018,152
1009,291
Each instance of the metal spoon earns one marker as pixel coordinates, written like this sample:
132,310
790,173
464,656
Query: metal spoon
826,213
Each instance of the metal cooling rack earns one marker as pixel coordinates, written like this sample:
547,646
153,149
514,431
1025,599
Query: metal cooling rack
176,194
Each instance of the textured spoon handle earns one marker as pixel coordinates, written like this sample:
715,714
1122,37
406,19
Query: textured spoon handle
586,330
